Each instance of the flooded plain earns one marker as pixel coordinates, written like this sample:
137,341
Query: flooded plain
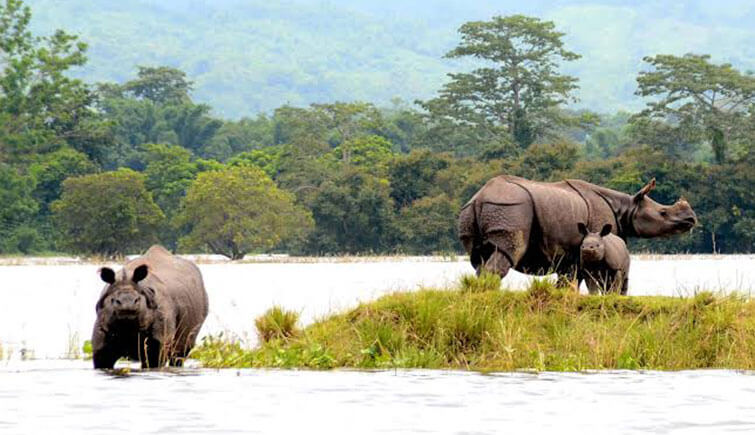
47,312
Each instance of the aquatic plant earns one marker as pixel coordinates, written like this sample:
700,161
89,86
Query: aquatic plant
542,328
86,349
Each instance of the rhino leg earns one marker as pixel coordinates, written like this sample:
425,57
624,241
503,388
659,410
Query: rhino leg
104,358
593,286
506,230
151,353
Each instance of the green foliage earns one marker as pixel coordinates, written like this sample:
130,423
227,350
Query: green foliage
515,94
18,208
41,107
160,85
373,153
484,283
429,225
699,97
412,176
169,171
237,210
277,324
86,349
544,161
375,179
51,169
237,137
110,213
353,213
544,328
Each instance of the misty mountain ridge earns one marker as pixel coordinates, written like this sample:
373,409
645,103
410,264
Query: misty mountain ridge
247,57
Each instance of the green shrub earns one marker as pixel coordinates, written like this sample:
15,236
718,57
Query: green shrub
277,324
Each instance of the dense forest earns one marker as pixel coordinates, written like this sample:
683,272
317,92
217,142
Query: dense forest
111,167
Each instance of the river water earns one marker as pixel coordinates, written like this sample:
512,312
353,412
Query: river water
47,310
68,397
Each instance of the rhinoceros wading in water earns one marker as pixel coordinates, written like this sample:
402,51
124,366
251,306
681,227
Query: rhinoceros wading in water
532,226
150,311
604,261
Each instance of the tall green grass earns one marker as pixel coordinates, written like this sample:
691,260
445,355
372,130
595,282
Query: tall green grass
478,326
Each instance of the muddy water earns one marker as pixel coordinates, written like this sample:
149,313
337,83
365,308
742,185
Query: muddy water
67,397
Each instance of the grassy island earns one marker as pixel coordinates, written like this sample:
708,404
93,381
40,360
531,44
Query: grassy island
477,326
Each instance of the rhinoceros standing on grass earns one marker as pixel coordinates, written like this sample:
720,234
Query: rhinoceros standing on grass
151,311
532,226
604,261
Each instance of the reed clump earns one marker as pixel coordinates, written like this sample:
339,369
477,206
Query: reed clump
542,328
486,281
277,324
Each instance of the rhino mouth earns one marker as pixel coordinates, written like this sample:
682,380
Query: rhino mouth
126,314
685,224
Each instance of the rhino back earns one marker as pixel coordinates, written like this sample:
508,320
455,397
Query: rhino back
600,211
558,209
617,254
179,288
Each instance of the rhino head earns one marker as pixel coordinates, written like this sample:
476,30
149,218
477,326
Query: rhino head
593,248
651,219
125,300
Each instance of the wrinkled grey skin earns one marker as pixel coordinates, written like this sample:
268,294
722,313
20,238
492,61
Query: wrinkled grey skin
604,260
532,226
150,311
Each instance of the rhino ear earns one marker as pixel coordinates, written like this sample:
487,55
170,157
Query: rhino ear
582,228
140,273
606,230
107,275
645,190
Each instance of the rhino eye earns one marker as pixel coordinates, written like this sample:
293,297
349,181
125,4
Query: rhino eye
664,213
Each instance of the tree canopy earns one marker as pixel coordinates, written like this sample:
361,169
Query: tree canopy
693,94
515,94
109,213
108,168
239,210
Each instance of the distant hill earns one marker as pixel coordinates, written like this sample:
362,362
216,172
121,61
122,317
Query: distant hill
251,56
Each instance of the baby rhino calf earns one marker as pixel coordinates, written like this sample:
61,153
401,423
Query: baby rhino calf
604,261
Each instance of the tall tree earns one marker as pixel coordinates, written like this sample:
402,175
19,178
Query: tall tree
41,107
238,210
698,96
160,84
110,213
515,94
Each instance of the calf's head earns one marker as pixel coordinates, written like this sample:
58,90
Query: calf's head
126,299
593,248
651,219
